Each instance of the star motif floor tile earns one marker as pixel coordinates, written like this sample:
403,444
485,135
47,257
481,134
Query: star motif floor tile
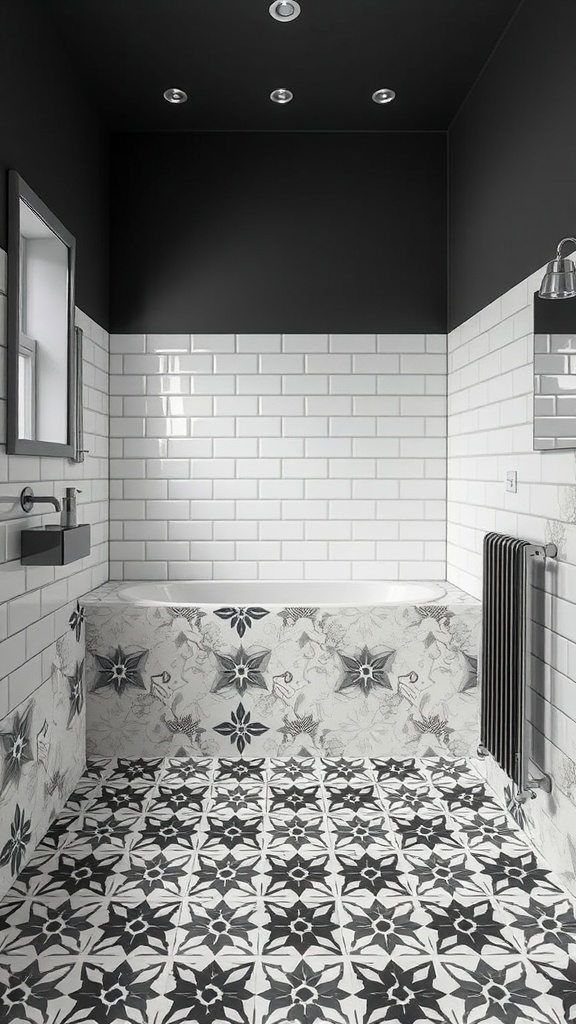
315,891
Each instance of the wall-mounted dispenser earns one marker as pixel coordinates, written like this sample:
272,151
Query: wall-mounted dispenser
54,545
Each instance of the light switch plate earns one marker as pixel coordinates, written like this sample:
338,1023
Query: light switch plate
512,481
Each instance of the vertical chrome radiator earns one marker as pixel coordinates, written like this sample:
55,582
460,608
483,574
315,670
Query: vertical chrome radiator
507,656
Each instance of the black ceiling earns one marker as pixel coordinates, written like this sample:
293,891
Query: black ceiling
229,54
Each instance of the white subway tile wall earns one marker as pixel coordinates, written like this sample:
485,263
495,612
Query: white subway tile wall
490,419
36,602
268,455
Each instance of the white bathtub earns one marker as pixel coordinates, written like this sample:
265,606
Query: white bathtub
281,592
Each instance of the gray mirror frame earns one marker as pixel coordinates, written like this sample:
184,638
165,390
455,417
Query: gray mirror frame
15,445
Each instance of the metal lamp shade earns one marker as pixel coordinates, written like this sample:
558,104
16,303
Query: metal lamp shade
559,281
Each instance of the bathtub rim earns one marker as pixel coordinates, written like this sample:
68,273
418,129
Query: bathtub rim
114,591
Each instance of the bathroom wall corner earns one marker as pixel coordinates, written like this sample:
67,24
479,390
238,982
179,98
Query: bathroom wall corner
42,695
490,426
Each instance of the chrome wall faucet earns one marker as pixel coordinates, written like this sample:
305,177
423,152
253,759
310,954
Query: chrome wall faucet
28,499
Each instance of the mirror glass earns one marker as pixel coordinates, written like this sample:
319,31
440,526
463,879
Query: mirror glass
554,373
43,353
41,328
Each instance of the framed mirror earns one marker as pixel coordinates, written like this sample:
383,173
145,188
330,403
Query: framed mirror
41,406
554,374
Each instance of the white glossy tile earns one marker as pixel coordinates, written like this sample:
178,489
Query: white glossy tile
245,405
352,343
167,509
127,343
259,384
302,468
161,344
196,570
194,490
328,447
237,363
284,363
305,426
353,384
212,342
329,405
383,362
281,489
322,488
401,343
280,447
304,343
305,384
12,653
134,530
259,342
331,363
236,489
160,551
237,530
352,426
193,530
282,405
281,530
302,550
126,549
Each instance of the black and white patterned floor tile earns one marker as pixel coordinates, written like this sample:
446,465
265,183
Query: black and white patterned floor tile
343,891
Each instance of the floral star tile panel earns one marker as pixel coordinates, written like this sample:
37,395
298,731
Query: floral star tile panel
251,681
267,891
42,752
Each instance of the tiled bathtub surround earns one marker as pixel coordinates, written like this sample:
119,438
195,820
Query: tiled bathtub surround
281,681
278,456
490,432
42,710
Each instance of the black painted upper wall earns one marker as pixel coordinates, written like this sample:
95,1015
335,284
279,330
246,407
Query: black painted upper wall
512,162
270,232
300,231
51,135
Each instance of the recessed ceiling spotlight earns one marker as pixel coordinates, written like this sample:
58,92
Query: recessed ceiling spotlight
284,10
175,96
383,95
281,96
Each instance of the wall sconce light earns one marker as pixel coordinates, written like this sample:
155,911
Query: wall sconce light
559,281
